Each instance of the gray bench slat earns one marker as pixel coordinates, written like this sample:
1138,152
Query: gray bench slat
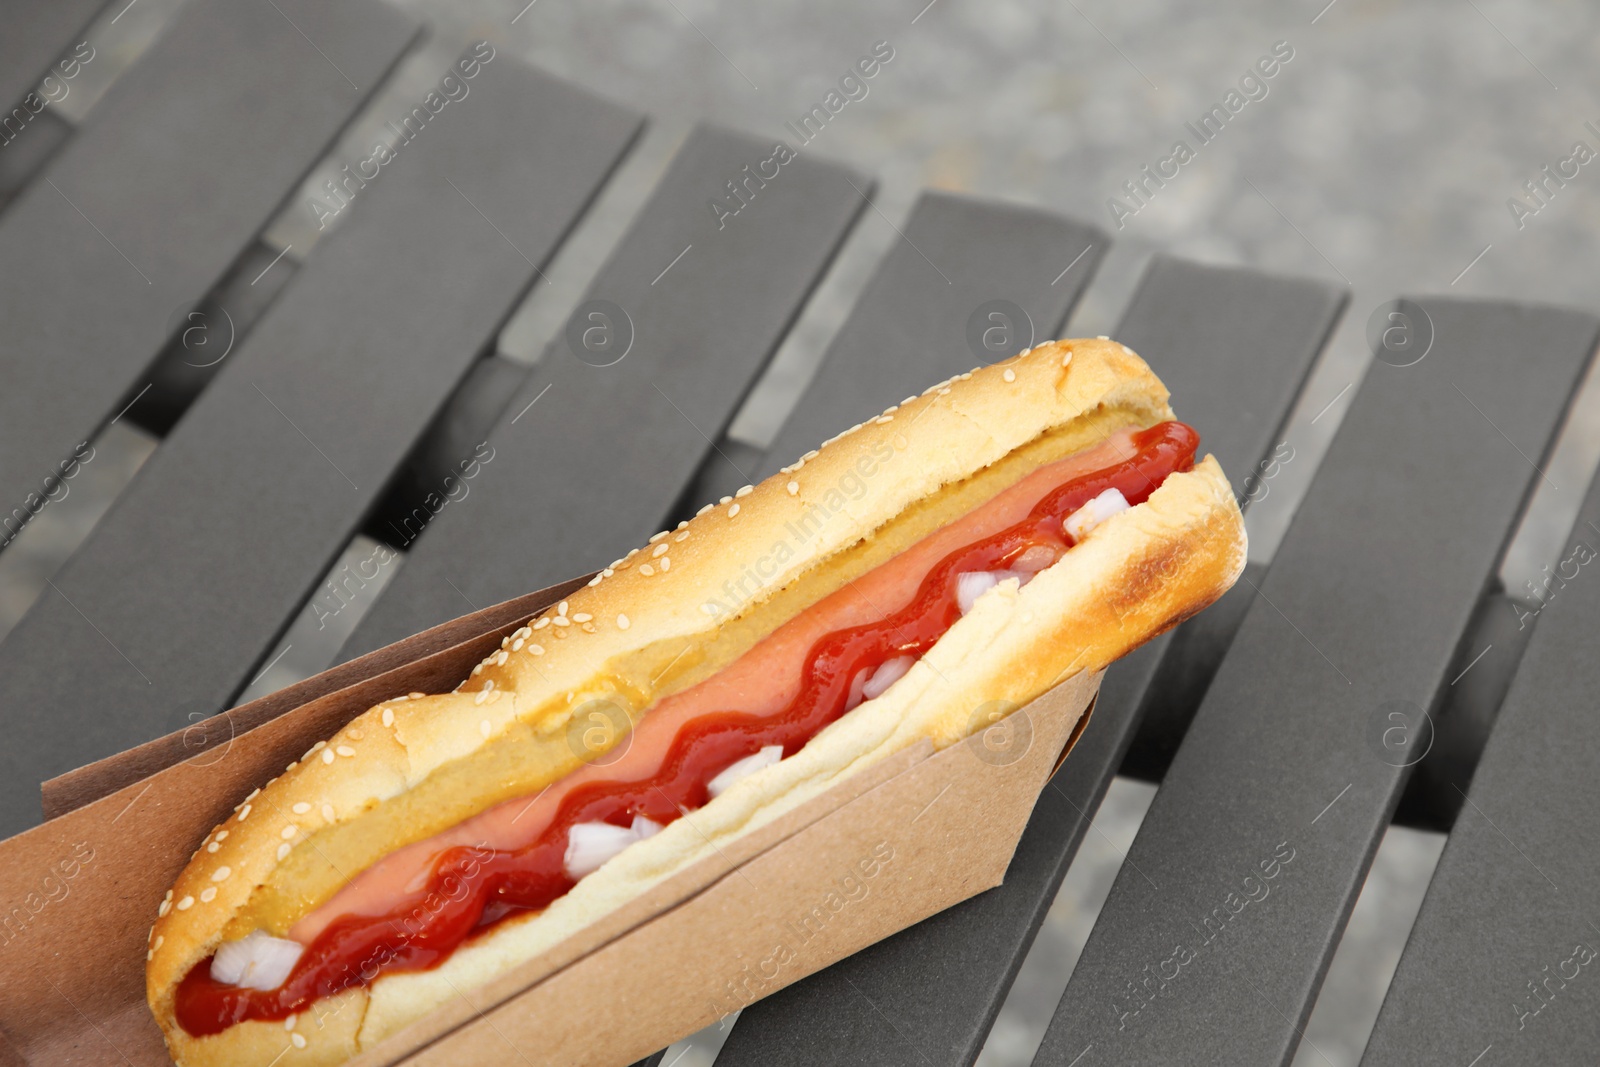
1258,335
1234,346
589,459
1485,665
37,33
164,185
1493,959
182,588
1222,920
910,326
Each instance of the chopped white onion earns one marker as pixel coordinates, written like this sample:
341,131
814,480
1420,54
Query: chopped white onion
591,844
890,672
1034,559
857,684
971,585
255,961
1092,514
744,768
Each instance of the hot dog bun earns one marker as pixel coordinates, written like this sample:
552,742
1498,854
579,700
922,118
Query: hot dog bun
669,615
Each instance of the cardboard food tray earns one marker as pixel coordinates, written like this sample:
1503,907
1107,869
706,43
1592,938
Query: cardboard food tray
880,851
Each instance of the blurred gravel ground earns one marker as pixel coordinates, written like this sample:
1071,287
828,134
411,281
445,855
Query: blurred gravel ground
1383,155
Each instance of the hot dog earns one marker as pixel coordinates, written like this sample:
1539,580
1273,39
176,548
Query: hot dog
1003,531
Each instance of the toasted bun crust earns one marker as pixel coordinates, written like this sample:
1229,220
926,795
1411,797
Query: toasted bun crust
1136,575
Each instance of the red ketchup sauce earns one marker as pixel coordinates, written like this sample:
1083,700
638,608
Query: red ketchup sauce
471,889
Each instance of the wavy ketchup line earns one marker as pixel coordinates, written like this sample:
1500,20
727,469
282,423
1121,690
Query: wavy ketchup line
472,888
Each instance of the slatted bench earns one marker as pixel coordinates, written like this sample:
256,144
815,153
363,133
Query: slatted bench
653,363
149,204
1283,726
1509,915
181,590
1295,760
44,47
38,33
